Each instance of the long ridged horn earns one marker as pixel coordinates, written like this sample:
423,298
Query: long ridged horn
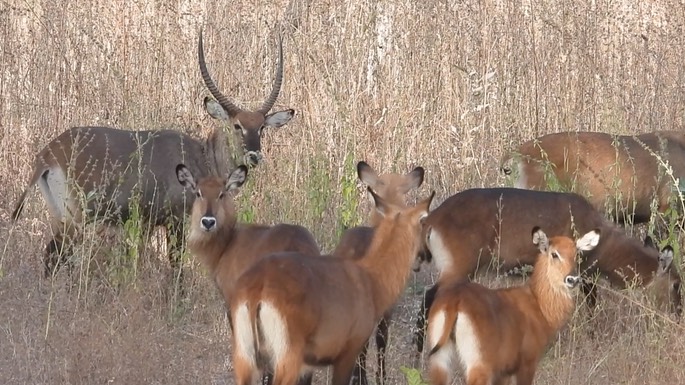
230,108
277,82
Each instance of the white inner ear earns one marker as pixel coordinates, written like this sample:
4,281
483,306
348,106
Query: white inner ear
215,110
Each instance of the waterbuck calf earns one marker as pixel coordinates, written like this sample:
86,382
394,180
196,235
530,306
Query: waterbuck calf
499,334
355,242
483,230
291,312
89,173
620,175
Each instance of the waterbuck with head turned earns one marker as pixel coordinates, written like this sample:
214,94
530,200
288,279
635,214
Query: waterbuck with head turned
291,313
89,173
355,242
622,176
483,230
500,334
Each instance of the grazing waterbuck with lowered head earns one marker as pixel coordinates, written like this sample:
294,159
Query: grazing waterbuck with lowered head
623,176
89,173
483,230
291,313
355,242
503,333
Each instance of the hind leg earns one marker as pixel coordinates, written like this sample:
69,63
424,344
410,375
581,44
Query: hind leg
287,371
359,374
420,335
382,335
344,366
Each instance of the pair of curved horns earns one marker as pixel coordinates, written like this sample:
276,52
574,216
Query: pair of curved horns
224,101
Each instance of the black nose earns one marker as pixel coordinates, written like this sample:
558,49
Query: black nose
208,223
253,157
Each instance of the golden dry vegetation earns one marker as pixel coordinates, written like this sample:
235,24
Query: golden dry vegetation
448,85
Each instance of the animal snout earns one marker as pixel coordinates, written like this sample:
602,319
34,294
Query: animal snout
208,223
572,281
253,157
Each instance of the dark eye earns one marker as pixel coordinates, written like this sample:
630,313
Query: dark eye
555,254
261,129
198,194
221,195
237,127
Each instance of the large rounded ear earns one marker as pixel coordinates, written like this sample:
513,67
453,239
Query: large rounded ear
236,178
589,241
185,177
414,179
665,260
214,109
540,239
649,242
366,174
381,205
278,119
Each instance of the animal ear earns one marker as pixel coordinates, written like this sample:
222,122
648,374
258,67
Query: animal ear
236,178
278,119
588,241
649,242
381,205
540,239
425,204
665,260
367,174
185,177
414,180
214,109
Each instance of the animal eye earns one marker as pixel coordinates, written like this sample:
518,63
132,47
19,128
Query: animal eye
555,254
237,127
198,194
221,195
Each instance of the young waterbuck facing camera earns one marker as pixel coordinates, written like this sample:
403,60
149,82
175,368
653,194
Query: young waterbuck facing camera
228,248
502,333
619,175
291,312
91,173
482,230
354,243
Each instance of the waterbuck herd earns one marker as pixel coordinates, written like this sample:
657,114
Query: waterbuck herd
292,309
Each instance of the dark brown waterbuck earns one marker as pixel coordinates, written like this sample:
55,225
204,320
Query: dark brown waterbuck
354,243
624,176
499,334
481,230
89,173
291,312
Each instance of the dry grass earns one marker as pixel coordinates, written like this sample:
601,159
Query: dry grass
447,85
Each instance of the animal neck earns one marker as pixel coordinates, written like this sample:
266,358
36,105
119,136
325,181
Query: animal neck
624,260
217,153
555,300
210,247
388,262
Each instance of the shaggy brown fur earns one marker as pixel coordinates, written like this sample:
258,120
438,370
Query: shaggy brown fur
293,312
620,175
354,243
503,333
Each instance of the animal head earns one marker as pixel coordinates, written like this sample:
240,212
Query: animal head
557,259
666,283
392,187
249,125
213,207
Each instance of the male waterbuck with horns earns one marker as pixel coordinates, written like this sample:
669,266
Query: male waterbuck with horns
481,230
499,334
291,312
624,176
100,172
354,243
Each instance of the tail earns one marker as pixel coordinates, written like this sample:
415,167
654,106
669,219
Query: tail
37,173
440,326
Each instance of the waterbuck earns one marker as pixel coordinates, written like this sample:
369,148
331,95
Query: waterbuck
355,242
623,176
89,173
291,312
503,333
483,230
